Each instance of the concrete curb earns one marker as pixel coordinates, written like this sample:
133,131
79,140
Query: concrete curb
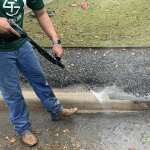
85,101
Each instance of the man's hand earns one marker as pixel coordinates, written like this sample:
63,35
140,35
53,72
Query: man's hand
57,50
5,28
48,28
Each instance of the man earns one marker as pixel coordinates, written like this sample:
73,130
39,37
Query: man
16,53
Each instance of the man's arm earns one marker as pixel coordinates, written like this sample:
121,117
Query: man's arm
48,28
5,28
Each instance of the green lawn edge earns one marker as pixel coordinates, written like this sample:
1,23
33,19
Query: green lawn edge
103,23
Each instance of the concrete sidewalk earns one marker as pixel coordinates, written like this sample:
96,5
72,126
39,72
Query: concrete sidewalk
83,131
85,101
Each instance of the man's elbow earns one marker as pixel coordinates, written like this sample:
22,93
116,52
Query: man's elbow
39,13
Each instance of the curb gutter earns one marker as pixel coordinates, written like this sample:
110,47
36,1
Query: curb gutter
83,100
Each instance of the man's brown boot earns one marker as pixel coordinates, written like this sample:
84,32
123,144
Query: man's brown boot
29,138
65,113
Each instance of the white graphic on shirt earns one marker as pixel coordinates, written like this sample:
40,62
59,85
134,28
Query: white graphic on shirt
10,5
25,2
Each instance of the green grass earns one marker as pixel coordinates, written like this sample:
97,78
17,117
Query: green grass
103,23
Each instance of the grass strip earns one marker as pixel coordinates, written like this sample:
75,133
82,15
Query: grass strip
102,23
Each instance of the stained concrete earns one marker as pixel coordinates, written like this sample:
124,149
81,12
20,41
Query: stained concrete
83,131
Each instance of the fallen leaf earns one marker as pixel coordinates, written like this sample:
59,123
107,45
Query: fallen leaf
66,130
72,138
13,140
73,145
56,134
148,139
127,140
132,124
78,145
48,130
6,138
58,129
148,68
124,49
144,134
132,53
116,66
106,53
74,5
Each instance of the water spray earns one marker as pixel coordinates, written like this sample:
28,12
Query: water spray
43,52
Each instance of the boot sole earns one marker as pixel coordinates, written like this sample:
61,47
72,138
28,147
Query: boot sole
30,145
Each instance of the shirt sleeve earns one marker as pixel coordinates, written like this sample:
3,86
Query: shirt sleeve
35,4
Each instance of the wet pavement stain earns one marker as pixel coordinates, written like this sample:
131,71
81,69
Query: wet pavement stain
83,131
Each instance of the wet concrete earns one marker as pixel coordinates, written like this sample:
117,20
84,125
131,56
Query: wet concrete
83,131
123,69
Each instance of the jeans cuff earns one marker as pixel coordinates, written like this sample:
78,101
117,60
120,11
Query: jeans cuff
26,131
58,112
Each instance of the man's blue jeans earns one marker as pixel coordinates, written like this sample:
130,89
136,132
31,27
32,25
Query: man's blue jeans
26,61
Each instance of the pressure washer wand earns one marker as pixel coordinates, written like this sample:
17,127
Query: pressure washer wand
39,48
90,89
42,51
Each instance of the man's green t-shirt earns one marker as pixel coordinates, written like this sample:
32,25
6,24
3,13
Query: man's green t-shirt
14,9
